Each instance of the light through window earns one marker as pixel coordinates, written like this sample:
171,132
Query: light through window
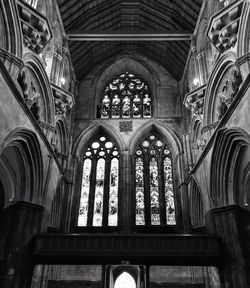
99,189
154,183
125,280
127,96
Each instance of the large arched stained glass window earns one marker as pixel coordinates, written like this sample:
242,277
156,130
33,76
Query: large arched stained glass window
154,191
99,189
127,96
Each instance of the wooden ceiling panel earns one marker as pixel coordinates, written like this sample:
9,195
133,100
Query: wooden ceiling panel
129,15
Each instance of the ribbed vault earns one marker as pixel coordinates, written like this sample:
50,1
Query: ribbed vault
129,15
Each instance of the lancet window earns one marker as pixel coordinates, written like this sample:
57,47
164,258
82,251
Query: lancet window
154,191
99,188
127,96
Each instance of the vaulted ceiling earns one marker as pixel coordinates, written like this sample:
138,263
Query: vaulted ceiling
141,16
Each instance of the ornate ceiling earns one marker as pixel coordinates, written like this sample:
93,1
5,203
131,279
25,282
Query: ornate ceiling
141,16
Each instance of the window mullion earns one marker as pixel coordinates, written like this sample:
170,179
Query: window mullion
92,191
147,201
106,192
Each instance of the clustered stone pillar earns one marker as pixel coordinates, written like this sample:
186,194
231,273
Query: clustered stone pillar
232,225
20,222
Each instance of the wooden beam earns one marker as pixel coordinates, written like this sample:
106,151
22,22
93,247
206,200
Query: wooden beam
129,36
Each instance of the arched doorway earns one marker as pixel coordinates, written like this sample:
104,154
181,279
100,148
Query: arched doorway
125,280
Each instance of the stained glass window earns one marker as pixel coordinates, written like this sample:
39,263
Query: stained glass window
127,96
154,183
140,211
99,189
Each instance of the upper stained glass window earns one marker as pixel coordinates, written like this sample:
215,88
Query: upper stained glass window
154,183
99,189
127,96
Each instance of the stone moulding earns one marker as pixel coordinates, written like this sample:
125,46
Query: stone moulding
194,100
223,26
35,27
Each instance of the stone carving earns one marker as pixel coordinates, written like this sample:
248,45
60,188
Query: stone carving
126,126
30,90
223,26
227,90
63,100
195,100
35,27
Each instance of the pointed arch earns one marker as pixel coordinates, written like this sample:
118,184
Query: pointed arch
33,63
229,147
98,178
57,207
125,96
60,141
168,134
155,75
155,176
20,153
11,36
225,63
125,280
118,67
196,207
93,130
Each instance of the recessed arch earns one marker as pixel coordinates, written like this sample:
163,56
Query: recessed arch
121,65
226,62
21,154
125,96
155,75
59,139
228,148
33,63
196,206
11,34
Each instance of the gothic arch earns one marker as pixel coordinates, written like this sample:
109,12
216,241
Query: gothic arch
79,150
57,206
59,139
195,127
222,66
195,136
34,64
127,278
196,207
11,36
118,270
171,140
21,161
168,134
229,146
92,131
120,66
151,72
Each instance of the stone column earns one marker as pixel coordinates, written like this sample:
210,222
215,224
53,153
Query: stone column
20,222
231,224
125,207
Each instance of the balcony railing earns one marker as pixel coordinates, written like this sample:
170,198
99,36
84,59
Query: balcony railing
172,249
